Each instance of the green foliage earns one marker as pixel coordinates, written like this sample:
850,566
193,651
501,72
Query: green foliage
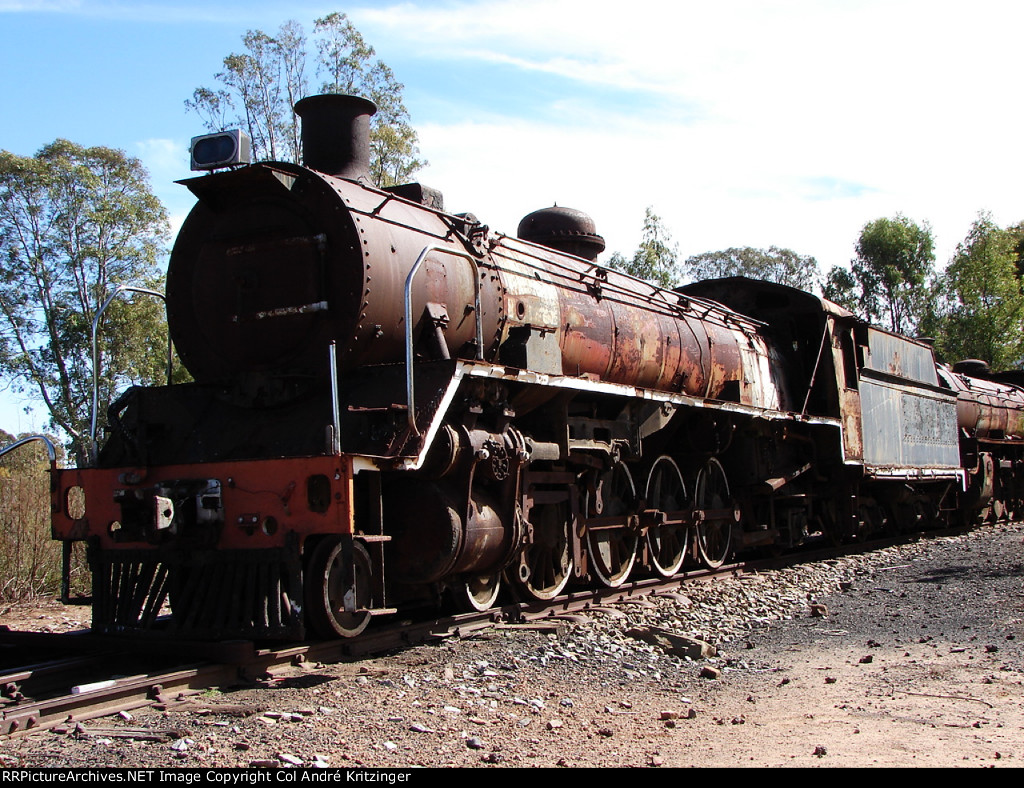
1016,233
841,287
656,259
259,87
886,283
979,308
782,266
76,223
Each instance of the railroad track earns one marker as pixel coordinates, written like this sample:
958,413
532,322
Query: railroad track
84,685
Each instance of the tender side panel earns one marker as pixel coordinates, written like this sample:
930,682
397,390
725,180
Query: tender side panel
907,426
908,422
895,355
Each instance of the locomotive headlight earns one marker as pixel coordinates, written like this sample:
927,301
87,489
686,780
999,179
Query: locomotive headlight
223,149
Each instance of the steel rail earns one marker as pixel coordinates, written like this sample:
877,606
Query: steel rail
241,661
103,698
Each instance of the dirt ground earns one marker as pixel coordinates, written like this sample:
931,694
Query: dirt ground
919,661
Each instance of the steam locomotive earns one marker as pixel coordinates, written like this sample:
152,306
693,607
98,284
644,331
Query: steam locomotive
393,406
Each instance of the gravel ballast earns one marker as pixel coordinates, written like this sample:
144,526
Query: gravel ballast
910,655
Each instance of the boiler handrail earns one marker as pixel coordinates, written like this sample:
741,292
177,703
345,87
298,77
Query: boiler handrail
409,385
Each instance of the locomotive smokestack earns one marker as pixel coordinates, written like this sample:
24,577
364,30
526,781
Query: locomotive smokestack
336,134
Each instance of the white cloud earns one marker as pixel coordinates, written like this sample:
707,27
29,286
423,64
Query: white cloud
706,203
747,122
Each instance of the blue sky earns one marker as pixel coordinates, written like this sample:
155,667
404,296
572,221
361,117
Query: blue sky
742,122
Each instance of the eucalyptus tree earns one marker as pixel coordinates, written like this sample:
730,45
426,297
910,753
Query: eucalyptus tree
980,307
782,266
77,223
258,88
656,259
886,282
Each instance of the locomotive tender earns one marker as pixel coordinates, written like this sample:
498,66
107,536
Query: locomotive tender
394,406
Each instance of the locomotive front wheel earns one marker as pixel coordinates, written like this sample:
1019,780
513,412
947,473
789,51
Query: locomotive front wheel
326,589
477,593
714,537
666,492
613,550
546,564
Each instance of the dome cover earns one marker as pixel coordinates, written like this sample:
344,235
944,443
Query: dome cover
564,229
